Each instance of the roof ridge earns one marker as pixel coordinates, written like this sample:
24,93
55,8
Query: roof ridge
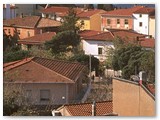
24,61
65,61
88,103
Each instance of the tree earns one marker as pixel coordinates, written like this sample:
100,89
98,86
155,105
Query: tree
70,22
106,7
84,59
63,42
15,55
148,64
131,59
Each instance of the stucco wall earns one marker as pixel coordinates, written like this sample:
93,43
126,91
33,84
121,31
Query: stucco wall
91,47
23,31
144,29
86,25
57,91
129,99
95,21
114,24
152,27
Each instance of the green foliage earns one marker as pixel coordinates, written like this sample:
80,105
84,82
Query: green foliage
12,97
70,21
63,42
132,59
84,59
15,55
40,52
148,64
106,7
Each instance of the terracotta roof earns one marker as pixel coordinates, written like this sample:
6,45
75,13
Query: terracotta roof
87,14
145,10
28,22
61,11
87,33
42,70
45,22
85,109
105,36
37,39
147,42
122,12
127,34
151,88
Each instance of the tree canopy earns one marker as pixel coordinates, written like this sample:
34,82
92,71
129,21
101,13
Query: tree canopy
132,59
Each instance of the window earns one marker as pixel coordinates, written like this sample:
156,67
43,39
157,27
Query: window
140,24
140,15
44,95
9,31
118,21
28,33
99,51
108,21
19,32
126,21
28,95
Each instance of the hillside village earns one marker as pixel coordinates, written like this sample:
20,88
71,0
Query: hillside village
66,60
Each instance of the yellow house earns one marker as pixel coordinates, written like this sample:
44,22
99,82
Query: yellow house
152,26
91,19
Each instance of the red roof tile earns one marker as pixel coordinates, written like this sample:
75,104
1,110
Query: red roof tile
45,22
61,11
28,22
145,10
43,70
87,33
151,88
105,36
147,42
85,109
122,12
87,14
127,34
37,39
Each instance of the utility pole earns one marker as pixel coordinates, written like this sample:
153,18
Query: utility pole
90,65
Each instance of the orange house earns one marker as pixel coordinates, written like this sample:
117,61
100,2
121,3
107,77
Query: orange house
29,26
118,19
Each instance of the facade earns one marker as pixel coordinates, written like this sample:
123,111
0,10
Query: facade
118,19
130,99
9,11
91,19
142,21
36,40
45,81
152,26
98,43
29,26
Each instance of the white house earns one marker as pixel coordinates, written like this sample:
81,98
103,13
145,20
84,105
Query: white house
141,20
98,45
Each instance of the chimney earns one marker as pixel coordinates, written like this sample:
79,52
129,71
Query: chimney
94,108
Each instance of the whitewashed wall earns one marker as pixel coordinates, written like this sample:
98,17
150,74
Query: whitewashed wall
91,47
145,23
